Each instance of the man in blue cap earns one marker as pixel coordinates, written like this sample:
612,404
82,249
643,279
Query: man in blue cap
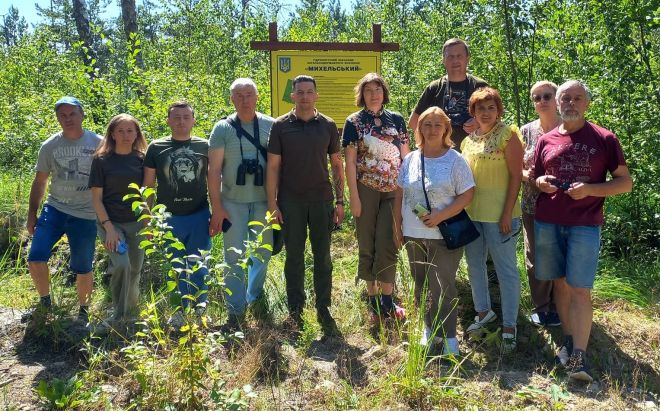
65,158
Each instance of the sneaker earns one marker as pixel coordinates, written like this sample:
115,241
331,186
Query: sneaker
104,327
295,321
374,318
450,347
538,319
509,342
83,315
259,308
565,352
552,319
477,327
425,337
577,367
38,312
328,324
232,325
397,313
177,320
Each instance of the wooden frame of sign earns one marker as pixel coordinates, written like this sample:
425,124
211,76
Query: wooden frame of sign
274,44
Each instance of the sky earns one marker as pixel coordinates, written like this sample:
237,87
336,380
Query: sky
27,9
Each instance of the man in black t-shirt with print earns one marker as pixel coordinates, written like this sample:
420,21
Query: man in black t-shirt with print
179,163
452,92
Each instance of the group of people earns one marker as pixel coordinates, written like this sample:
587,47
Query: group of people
466,158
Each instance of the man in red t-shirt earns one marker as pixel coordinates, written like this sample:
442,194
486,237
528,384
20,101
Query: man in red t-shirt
571,167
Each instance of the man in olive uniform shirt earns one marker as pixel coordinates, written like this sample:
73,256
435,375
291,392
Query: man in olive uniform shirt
299,192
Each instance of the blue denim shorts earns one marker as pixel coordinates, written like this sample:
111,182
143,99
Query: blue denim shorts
567,251
52,224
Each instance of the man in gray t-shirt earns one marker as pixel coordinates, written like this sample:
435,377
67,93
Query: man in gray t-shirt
65,158
235,161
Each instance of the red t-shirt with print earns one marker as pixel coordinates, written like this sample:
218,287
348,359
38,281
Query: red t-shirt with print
585,155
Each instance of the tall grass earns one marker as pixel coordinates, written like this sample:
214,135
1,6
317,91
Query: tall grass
200,369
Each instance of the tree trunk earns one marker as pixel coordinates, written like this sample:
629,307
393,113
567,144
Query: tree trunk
512,61
129,17
81,18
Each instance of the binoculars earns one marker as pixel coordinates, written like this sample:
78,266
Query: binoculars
250,167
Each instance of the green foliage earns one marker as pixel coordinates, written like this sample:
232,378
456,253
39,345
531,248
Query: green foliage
167,368
195,49
68,394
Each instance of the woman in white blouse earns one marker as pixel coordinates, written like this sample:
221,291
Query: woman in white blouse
449,185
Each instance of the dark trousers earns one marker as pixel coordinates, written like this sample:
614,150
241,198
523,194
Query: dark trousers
298,216
541,291
375,235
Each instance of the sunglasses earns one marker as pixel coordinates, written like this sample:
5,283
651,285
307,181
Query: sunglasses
546,97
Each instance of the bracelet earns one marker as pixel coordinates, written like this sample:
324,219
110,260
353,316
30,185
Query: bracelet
339,203
105,221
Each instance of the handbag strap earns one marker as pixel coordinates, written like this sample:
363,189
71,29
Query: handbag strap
426,197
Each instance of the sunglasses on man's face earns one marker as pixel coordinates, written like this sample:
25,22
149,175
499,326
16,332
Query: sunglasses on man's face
538,97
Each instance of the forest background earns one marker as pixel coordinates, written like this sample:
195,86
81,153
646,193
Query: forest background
157,52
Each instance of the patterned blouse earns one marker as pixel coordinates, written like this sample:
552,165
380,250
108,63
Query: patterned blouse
377,138
531,132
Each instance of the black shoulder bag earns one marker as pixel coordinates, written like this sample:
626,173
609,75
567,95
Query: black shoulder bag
458,230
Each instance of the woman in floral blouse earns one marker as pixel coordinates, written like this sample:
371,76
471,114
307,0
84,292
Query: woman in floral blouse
375,141
542,94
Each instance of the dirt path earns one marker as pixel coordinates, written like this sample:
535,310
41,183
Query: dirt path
26,359
625,343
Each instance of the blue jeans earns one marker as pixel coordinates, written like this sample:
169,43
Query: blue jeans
567,251
240,214
81,233
193,231
502,249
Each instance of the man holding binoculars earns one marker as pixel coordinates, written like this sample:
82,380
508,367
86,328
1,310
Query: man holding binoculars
237,162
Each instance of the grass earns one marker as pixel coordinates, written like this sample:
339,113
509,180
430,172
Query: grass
367,369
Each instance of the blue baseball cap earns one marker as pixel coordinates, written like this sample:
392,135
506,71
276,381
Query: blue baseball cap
72,101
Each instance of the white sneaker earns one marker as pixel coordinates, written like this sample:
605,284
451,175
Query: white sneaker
477,327
177,320
564,354
426,336
451,347
509,342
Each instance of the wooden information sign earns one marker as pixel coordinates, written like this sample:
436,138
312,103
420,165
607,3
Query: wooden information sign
337,67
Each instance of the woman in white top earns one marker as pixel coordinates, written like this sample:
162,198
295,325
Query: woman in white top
449,185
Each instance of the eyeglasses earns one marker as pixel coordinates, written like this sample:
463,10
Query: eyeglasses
565,98
537,98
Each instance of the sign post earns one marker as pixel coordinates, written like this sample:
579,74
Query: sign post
337,67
